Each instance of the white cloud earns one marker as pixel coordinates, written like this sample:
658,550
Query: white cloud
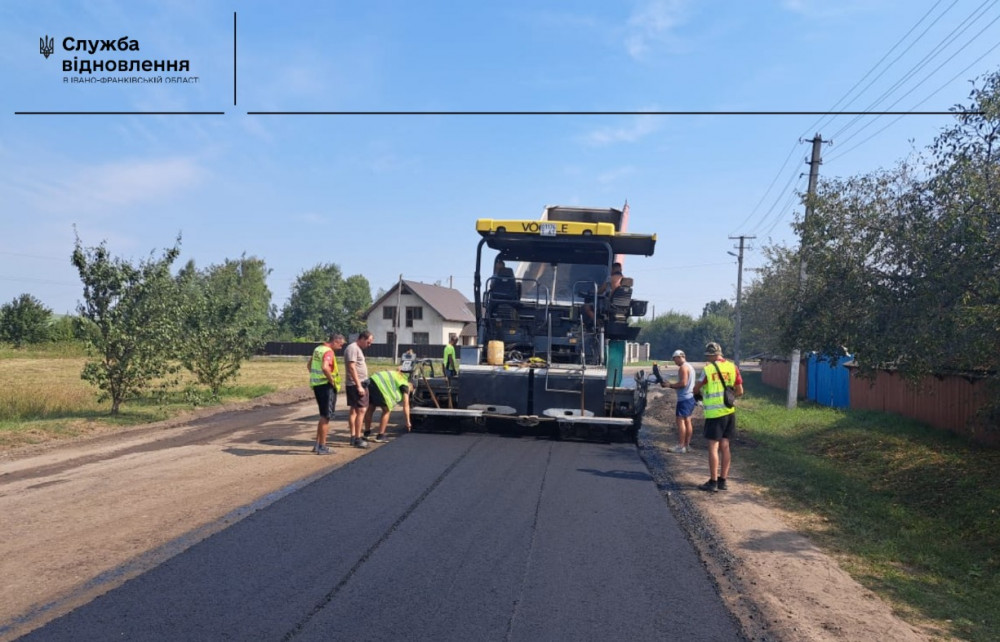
614,175
638,128
816,9
653,23
119,185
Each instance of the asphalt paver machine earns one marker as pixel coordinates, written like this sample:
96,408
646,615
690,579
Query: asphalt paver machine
551,334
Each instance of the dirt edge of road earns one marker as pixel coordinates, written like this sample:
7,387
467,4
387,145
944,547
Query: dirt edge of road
776,583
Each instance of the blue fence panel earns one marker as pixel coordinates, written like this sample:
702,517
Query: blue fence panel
828,385
811,370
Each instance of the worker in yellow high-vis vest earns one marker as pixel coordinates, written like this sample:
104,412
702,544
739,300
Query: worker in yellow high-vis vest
387,388
720,417
450,360
324,377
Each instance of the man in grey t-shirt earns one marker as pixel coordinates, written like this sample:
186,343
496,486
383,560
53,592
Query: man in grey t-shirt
357,386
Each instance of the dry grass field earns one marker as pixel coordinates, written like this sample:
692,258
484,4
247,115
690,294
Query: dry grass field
42,396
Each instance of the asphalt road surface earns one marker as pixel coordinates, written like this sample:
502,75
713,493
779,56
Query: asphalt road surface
435,537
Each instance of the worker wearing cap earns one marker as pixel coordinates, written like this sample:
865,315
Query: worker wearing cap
720,419
685,400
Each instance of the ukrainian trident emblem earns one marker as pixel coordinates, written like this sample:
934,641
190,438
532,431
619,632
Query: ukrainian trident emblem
46,46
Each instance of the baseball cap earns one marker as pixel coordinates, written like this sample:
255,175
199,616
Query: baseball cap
678,353
713,348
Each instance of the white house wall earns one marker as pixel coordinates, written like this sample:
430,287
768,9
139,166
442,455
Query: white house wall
433,324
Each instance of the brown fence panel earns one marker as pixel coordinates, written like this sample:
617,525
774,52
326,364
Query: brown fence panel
774,373
949,402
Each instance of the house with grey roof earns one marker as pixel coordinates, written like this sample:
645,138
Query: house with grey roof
421,314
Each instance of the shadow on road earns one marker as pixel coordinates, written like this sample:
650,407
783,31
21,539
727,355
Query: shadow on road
618,474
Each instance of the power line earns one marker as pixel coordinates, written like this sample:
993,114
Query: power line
16,279
787,207
935,92
815,125
951,37
791,152
774,210
975,16
818,124
949,59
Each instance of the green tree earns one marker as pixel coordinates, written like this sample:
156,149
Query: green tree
356,298
856,276
226,318
322,301
24,320
718,328
132,316
903,265
311,307
722,308
65,327
667,333
767,301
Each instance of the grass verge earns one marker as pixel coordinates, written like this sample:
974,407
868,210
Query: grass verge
44,399
910,511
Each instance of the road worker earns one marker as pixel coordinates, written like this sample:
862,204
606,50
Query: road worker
386,389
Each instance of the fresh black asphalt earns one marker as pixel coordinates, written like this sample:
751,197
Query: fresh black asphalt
435,537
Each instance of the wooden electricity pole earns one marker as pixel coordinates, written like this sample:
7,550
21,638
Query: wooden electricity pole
814,163
739,297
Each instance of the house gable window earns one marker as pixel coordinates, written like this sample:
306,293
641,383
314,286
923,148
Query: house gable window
389,312
413,313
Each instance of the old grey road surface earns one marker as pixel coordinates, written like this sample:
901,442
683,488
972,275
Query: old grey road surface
435,537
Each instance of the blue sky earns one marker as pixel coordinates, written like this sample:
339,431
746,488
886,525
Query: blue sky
390,195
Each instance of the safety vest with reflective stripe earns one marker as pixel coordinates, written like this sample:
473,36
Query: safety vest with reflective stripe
316,376
388,383
712,391
449,351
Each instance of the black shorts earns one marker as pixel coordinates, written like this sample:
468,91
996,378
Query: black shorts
326,399
723,427
356,400
375,397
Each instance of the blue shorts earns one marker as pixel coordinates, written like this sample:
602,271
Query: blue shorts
685,407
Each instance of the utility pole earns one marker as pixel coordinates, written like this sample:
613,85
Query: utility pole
739,296
814,163
396,325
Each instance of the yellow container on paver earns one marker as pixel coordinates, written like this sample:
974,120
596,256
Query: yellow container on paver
494,353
